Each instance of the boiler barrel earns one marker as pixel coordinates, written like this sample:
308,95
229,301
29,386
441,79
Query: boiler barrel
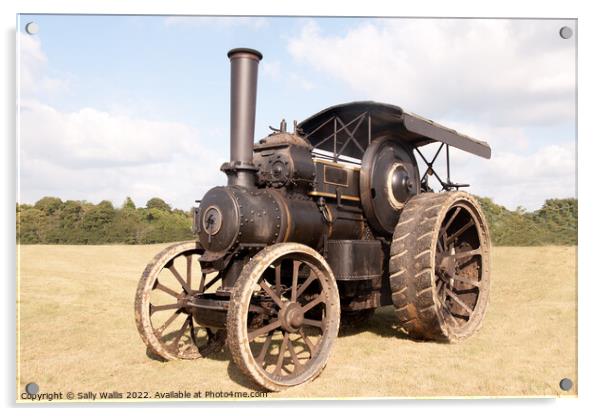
231,216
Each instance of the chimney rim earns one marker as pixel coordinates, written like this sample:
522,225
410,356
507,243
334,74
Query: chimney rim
247,51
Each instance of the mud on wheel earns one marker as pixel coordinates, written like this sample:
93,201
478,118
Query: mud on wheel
283,316
163,315
440,266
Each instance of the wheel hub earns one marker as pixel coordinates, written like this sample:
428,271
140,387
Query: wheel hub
184,300
291,316
447,264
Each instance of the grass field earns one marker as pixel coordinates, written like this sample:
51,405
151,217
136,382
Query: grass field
77,334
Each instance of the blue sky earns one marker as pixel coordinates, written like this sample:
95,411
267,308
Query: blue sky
112,106
177,70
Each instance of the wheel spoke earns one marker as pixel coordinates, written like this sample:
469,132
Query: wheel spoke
466,263
450,314
163,327
313,303
443,295
271,293
305,284
460,231
440,284
264,349
439,244
283,347
264,330
451,219
202,285
458,301
466,280
159,308
291,350
277,272
469,253
312,322
179,334
296,265
178,277
167,290
211,282
308,342
189,270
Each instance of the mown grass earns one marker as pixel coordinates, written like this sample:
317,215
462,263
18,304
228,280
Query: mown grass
77,333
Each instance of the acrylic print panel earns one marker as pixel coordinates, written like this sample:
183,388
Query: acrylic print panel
371,257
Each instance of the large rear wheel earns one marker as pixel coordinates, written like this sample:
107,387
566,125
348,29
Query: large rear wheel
440,266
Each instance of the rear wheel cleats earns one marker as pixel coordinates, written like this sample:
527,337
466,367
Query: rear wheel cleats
440,266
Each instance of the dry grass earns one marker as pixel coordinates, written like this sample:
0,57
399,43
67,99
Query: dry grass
77,333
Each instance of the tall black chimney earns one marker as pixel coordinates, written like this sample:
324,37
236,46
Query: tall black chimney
243,96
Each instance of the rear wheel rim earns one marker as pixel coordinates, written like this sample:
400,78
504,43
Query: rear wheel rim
460,278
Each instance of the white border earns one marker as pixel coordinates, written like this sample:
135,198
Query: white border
589,154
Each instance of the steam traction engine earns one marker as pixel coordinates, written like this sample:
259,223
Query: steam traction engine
331,220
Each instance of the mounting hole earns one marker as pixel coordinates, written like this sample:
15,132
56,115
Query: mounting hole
566,384
32,28
566,32
32,389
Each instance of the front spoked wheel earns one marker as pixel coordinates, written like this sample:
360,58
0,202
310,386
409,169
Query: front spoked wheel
283,316
163,313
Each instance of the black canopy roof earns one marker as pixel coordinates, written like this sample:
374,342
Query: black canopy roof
367,120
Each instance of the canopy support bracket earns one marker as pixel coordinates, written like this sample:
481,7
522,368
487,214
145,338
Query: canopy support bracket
447,185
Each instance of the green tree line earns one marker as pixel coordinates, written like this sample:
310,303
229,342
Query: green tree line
555,223
53,221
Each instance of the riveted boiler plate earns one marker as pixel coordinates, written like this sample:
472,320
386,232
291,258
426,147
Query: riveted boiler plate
388,178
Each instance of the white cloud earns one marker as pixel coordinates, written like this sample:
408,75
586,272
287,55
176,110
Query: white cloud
490,79
525,178
91,137
529,180
502,71
33,78
95,155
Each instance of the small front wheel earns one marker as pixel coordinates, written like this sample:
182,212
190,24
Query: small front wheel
163,315
284,316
